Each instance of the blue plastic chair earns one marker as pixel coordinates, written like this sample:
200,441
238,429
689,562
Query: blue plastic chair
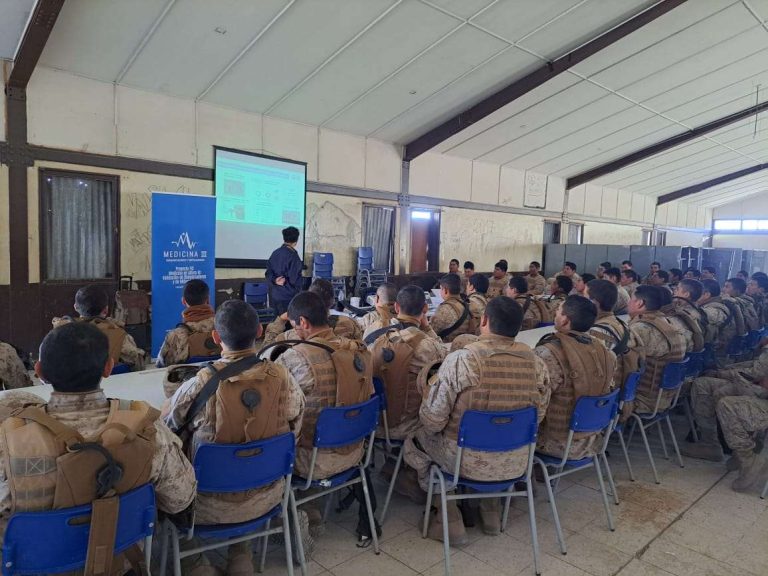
367,276
120,369
592,414
257,295
338,427
55,541
671,382
628,394
392,449
545,324
200,359
694,368
231,468
736,347
322,265
496,432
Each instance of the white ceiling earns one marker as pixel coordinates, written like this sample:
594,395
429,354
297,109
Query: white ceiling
13,22
393,69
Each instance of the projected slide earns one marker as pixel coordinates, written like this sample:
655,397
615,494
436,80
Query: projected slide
256,197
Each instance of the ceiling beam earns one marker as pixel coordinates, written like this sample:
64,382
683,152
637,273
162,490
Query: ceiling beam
533,80
653,149
683,192
33,42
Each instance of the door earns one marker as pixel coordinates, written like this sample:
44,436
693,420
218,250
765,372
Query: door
425,240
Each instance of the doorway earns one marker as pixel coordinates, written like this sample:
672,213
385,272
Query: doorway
425,240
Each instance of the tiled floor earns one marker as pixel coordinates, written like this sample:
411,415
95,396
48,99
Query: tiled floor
692,524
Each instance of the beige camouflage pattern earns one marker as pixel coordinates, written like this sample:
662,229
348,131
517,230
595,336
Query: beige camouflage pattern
741,417
129,354
655,346
707,391
536,284
13,374
446,316
553,303
477,303
496,286
373,320
223,508
175,348
275,328
629,289
716,315
622,300
459,372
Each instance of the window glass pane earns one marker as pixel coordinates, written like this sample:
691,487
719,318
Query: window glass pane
727,224
749,224
762,224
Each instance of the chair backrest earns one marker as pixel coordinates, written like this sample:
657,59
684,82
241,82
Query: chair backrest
695,364
239,467
380,391
365,258
120,369
498,431
198,359
255,292
346,425
322,259
673,375
545,324
594,413
57,540
629,391
735,346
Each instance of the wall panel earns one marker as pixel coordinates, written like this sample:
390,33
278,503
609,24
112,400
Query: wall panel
218,126
5,251
601,233
342,159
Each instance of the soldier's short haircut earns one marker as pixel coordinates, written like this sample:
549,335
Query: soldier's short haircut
570,265
469,265
605,265
290,234
693,287
387,292
455,260
411,300
536,264
311,307
501,265
519,284
711,286
762,282
603,292
650,295
665,296
73,357
452,283
196,292
656,264
631,274
505,316
743,273
626,262
676,272
711,269
581,311
587,277
613,273
663,274
695,271
237,324
757,275
324,289
480,283
564,283
738,284
91,300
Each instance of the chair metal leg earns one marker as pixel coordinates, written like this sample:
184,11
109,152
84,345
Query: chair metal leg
428,507
505,513
648,450
299,543
148,551
555,516
663,440
632,429
534,531
327,507
606,504
626,456
674,441
369,508
398,463
689,416
611,483
164,543
288,545
264,542
176,552
444,513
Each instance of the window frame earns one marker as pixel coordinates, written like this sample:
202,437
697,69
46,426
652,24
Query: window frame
44,194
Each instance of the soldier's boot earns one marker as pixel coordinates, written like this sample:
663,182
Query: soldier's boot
490,516
707,448
407,484
733,464
457,535
240,561
752,472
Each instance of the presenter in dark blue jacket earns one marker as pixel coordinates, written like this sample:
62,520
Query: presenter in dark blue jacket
284,271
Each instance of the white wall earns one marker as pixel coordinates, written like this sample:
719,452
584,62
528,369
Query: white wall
745,241
752,207
600,233
682,238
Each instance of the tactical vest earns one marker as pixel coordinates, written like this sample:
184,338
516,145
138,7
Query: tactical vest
629,357
465,327
114,333
507,381
654,366
248,406
588,370
553,302
344,327
199,343
734,310
714,331
749,312
51,466
480,301
386,313
692,324
393,354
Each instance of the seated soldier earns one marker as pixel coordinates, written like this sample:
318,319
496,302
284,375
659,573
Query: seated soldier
685,310
536,281
499,279
724,318
73,359
535,310
618,279
578,365
192,337
477,290
757,289
736,289
601,269
452,318
13,373
662,341
628,280
580,284
661,280
560,288
469,271
494,373
685,325
275,406
675,275
693,274
92,305
709,273
384,312
742,419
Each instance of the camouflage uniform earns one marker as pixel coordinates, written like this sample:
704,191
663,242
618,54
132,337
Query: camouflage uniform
447,314
536,284
630,289
13,374
622,301
342,326
129,353
680,326
741,417
707,391
477,303
553,303
459,373
531,313
752,319
172,474
496,286
223,508
175,348
376,319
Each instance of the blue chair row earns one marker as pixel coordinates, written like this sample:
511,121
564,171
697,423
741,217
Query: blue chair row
257,295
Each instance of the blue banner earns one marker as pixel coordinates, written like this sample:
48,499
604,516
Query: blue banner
183,249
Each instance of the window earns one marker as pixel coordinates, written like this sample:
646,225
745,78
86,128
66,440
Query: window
575,233
750,225
727,224
647,238
661,238
78,226
551,232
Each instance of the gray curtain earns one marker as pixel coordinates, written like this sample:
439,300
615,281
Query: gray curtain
378,223
81,220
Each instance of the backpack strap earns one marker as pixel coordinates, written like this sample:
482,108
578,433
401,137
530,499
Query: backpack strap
69,436
186,327
453,327
373,336
212,385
